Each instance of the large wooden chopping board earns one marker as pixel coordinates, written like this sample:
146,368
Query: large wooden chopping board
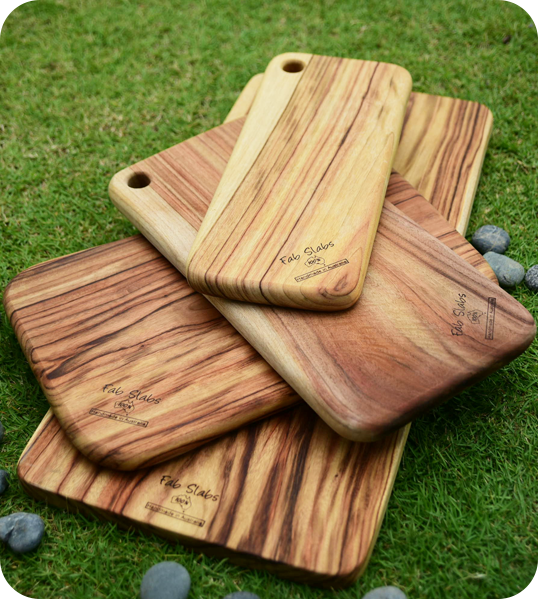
408,344
293,219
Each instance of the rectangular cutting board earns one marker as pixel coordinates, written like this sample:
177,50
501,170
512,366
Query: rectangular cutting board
441,150
139,368
287,494
368,370
308,173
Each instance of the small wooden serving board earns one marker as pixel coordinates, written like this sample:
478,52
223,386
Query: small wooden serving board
287,494
293,220
410,342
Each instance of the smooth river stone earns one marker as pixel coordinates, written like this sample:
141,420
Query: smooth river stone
22,531
490,238
385,593
509,272
166,580
531,278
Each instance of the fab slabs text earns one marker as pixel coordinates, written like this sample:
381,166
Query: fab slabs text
190,489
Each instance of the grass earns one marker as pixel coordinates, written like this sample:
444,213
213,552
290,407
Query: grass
91,86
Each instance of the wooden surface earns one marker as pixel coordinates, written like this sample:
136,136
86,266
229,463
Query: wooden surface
137,366
441,150
366,518
406,346
293,219
287,494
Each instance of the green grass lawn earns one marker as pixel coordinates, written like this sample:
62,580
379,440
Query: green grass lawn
89,87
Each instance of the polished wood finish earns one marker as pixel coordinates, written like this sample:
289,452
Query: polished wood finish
319,489
40,477
293,219
132,360
137,366
441,150
415,207
406,346
288,495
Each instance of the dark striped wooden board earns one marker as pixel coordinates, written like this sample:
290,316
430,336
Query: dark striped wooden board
408,344
309,170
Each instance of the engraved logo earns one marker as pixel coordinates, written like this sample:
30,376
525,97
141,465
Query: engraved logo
155,507
315,261
183,501
127,405
474,316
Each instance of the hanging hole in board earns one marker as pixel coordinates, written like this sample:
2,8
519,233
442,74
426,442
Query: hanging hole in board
138,180
293,66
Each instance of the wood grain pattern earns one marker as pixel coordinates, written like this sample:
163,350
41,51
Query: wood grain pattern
293,220
287,495
367,370
244,102
322,492
36,475
441,150
137,366
412,204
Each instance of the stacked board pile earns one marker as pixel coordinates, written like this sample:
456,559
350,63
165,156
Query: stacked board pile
139,368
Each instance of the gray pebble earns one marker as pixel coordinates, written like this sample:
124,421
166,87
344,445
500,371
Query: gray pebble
4,479
1,432
22,531
385,593
241,595
166,580
531,278
509,272
490,238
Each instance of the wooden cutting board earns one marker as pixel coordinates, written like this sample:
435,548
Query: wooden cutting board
139,368
441,150
374,464
294,217
406,346
287,494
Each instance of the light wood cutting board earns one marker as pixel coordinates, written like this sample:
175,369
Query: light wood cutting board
293,220
409,343
441,150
